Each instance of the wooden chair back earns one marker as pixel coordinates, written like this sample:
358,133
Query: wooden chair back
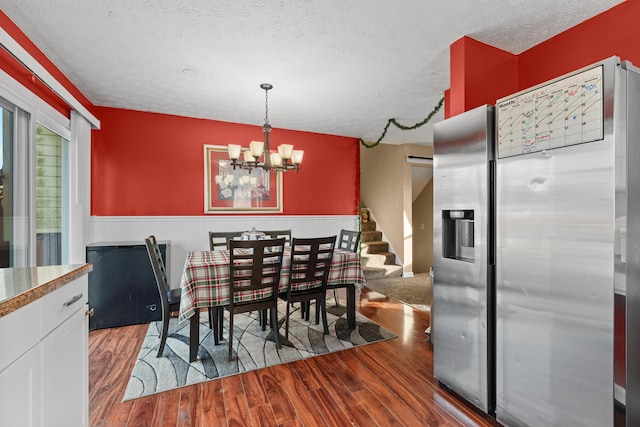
254,272
159,271
220,239
276,234
310,265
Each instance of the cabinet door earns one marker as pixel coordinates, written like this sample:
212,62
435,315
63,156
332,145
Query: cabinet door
20,397
65,373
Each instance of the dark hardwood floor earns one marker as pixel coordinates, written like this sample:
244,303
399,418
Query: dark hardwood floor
382,384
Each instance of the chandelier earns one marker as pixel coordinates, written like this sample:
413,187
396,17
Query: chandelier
285,159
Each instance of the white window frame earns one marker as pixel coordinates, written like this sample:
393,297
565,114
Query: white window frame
24,157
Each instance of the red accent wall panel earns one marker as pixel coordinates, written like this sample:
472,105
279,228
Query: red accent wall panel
447,103
146,164
614,32
480,74
457,70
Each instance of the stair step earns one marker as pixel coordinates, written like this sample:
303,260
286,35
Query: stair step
374,247
370,236
368,226
386,271
377,260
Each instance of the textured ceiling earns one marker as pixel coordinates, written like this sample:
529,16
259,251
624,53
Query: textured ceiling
337,67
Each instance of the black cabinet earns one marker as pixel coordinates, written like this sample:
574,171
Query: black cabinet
122,287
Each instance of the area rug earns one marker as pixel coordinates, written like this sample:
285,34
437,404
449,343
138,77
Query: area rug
253,348
414,291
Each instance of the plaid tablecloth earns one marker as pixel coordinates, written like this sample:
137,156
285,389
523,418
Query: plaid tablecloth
205,278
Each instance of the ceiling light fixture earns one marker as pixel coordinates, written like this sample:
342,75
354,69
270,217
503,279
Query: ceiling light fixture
285,159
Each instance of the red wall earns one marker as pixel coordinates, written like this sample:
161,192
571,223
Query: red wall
614,32
153,164
481,74
478,73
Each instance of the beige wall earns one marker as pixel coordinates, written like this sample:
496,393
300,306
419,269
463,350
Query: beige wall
423,230
385,188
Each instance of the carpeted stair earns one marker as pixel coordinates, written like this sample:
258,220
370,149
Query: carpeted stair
377,261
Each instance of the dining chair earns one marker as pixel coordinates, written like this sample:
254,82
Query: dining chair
254,277
220,239
170,298
308,276
348,240
276,234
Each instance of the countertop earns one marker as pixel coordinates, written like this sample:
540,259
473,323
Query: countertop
20,286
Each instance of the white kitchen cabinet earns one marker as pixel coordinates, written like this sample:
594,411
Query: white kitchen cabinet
44,381
20,394
65,383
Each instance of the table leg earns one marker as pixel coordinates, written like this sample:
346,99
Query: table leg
351,305
194,335
220,312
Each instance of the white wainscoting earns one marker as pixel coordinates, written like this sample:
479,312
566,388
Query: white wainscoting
190,233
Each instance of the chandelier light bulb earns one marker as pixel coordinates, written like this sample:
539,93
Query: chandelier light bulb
234,151
296,156
257,148
275,159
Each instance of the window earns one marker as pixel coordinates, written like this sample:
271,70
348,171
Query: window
51,197
34,189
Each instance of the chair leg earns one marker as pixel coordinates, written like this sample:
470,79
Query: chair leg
263,319
307,310
351,305
220,314
323,305
335,297
286,324
230,334
317,310
213,324
165,331
274,326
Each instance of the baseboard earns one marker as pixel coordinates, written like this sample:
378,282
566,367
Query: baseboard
407,274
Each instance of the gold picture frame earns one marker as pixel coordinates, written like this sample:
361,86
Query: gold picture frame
238,190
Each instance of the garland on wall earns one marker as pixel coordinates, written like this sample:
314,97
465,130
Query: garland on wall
402,127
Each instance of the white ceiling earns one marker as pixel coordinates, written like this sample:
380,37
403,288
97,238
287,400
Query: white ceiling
337,67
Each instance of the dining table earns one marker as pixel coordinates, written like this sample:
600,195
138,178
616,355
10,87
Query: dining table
205,283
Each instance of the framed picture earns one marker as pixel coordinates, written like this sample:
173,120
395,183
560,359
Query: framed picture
238,190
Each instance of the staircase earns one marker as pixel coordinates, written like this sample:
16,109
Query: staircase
377,261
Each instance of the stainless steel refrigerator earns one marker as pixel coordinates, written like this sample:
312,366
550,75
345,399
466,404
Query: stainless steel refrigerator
462,309
568,193
564,311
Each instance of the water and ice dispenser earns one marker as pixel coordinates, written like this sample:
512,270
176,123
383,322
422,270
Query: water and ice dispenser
457,235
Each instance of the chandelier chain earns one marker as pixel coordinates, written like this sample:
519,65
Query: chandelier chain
403,127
